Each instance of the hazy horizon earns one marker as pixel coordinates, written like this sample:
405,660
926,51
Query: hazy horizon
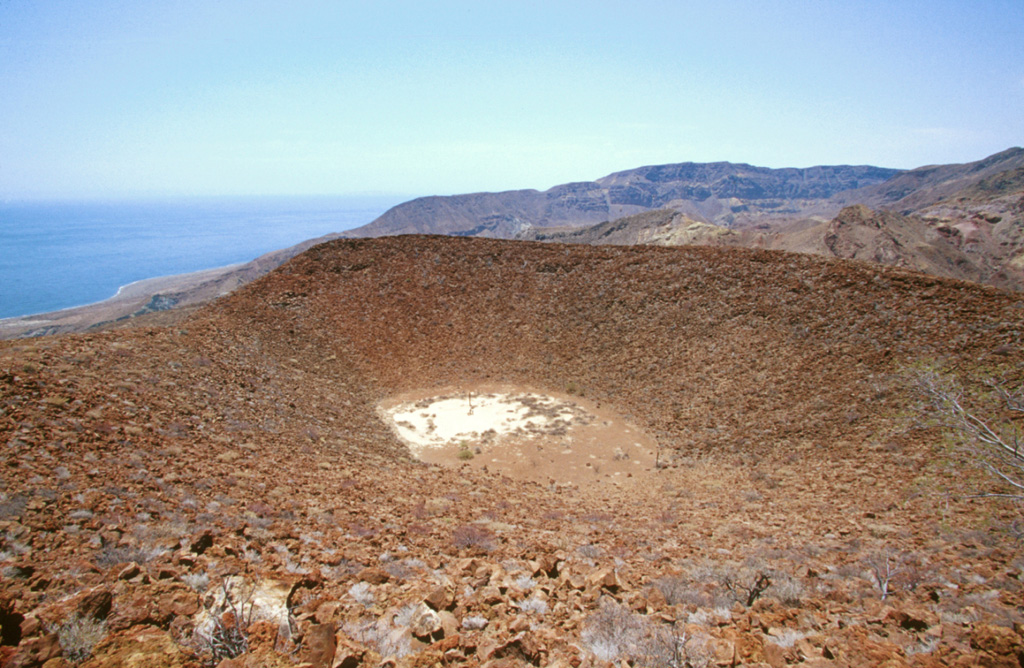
61,254
120,100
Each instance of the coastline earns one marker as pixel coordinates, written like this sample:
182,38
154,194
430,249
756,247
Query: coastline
129,301
215,219
143,286
138,302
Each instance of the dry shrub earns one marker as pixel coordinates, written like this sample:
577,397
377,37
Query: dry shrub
78,635
983,422
227,637
729,583
893,570
614,633
680,591
472,536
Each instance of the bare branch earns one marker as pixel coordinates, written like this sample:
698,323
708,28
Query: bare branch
991,440
885,566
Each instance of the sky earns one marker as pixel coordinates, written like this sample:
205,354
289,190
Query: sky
110,99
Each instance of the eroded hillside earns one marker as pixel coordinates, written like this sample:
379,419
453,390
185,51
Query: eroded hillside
718,192
149,472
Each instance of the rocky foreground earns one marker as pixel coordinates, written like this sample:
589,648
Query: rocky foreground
223,491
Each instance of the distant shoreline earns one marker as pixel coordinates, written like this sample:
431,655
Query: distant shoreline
113,250
125,290
133,301
140,288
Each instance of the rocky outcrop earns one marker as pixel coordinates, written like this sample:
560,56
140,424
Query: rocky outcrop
858,233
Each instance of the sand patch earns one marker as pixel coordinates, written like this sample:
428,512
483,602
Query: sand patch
439,421
523,434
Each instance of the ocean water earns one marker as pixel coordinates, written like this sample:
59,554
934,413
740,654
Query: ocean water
56,255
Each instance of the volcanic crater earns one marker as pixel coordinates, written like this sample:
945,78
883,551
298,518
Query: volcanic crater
774,459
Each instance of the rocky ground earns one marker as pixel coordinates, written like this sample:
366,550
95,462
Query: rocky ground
222,491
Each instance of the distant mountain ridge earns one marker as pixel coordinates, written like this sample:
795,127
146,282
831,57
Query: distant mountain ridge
960,221
657,185
963,221
720,191
911,190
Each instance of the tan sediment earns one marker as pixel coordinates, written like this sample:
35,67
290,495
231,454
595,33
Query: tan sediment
522,433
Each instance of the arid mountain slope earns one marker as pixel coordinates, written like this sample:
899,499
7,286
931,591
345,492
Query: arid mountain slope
616,321
916,189
717,192
857,233
908,241
147,471
969,225
722,193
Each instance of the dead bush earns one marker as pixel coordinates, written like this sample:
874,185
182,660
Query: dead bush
981,423
893,570
680,591
228,637
616,634
473,536
746,586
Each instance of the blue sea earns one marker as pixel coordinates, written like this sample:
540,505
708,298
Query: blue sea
56,255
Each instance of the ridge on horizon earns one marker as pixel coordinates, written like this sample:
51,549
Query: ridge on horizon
929,221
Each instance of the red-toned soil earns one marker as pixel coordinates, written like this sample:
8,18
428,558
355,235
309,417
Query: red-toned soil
246,442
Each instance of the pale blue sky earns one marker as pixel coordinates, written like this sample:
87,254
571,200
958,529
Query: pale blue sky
125,98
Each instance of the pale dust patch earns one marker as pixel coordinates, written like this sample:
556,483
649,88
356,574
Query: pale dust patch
523,434
439,421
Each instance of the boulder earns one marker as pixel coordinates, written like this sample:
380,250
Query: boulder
522,647
914,618
997,646
140,647
440,598
424,622
319,646
35,652
374,576
201,541
605,578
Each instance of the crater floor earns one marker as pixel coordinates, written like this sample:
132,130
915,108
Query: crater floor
521,433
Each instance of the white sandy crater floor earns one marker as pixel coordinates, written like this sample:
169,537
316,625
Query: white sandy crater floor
439,421
523,434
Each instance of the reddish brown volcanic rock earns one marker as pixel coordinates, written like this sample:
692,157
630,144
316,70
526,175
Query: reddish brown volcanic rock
240,453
